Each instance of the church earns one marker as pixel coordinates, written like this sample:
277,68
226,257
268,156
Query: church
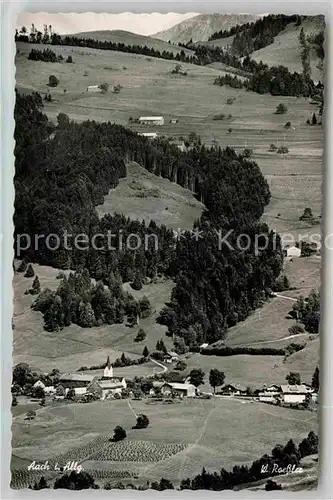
108,385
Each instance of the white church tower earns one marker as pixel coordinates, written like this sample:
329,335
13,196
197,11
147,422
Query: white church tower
108,370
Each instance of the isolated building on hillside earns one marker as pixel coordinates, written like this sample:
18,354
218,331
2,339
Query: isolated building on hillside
182,390
151,120
73,380
204,345
94,88
174,120
292,252
105,388
170,357
149,135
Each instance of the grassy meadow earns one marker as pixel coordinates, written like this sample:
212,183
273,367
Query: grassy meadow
193,424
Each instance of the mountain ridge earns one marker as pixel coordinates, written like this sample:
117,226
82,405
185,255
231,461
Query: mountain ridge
202,26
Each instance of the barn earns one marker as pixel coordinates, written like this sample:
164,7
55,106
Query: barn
151,120
73,380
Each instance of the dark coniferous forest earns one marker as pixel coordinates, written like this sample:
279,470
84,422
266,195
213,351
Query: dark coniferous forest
63,171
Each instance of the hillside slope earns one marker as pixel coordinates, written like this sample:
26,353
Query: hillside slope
128,38
286,49
201,27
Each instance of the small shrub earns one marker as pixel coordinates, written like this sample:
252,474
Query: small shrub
296,329
287,125
104,87
141,335
53,81
142,421
283,150
281,109
272,147
306,215
29,272
119,434
69,59
219,117
229,130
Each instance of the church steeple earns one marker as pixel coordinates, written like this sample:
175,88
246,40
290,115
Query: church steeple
108,370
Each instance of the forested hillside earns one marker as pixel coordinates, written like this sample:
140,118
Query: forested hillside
64,171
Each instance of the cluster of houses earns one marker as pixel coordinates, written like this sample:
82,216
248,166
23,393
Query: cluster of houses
85,383
285,393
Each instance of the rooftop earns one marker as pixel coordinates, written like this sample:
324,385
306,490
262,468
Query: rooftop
77,377
151,118
295,389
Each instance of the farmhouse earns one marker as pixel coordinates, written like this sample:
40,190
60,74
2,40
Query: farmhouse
170,357
151,120
292,252
182,390
295,393
94,88
73,380
233,390
149,135
106,388
174,120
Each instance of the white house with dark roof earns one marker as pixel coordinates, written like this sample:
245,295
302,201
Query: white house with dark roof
108,370
295,393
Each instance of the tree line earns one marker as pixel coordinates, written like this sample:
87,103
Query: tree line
275,80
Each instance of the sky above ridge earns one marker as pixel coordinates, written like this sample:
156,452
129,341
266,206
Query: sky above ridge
142,24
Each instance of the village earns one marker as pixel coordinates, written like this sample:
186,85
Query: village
84,387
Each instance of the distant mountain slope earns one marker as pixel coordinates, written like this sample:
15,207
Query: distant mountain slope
201,27
286,49
128,38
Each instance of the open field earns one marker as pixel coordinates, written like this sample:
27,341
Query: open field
149,197
295,178
74,347
193,424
